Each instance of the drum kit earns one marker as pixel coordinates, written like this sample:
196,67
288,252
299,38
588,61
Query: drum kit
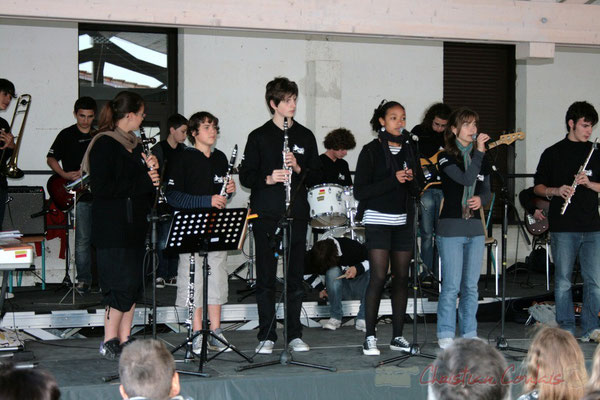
333,209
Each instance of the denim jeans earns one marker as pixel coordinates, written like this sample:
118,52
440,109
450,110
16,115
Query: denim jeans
566,246
430,212
345,289
167,263
462,258
83,241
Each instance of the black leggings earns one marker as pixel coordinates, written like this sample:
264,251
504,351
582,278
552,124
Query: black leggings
400,262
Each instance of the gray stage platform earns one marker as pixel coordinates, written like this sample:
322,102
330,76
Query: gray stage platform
79,369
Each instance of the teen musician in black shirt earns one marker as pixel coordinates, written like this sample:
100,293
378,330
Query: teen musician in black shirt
263,172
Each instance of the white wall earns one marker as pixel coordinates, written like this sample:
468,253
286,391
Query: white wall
341,81
545,89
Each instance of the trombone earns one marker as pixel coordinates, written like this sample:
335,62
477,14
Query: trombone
11,170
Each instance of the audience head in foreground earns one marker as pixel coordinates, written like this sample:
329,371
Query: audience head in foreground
147,370
30,384
469,369
555,366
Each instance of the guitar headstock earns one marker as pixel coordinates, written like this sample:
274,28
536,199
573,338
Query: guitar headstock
508,138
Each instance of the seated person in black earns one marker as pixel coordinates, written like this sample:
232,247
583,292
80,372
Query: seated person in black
335,168
345,265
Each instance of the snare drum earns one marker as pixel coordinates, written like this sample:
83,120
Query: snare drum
327,208
354,233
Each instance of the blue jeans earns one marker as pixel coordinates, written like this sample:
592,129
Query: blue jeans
566,246
462,258
430,213
83,241
345,289
167,263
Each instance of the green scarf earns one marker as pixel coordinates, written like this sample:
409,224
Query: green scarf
468,191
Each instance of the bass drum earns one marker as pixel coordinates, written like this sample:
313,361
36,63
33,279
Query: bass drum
355,233
327,209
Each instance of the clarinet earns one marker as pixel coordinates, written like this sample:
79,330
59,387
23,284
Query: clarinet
227,178
574,184
286,149
145,145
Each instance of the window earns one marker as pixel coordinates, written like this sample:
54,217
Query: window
143,60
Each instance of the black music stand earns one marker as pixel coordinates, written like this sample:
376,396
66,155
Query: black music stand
200,231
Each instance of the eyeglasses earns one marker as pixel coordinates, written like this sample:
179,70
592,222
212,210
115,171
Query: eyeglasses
141,114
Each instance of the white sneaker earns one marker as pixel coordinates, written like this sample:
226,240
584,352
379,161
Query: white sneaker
370,346
160,283
265,347
332,324
593,336
298,345
197,344
444,343
360,325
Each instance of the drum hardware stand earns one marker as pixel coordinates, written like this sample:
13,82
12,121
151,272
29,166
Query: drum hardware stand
67,281
249,264
226,228
285,358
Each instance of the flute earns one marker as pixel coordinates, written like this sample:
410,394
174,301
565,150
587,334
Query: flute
574,184
227,178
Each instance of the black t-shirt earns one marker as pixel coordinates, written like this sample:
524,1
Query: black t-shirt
263,154
430,141
558,166
164,152
336,172
69,147
194,173
4,154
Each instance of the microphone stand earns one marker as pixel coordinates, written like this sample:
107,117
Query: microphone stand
415,349
501,343
282,243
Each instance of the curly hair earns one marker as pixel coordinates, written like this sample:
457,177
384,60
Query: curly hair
339,139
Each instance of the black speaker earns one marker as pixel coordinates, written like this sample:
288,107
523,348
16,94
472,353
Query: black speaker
22,202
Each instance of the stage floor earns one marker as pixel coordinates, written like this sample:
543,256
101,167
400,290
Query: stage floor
79,368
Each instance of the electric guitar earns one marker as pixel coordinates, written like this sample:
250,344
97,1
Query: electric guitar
59,190
430,165
534,226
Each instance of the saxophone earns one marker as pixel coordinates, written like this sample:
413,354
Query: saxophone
286,149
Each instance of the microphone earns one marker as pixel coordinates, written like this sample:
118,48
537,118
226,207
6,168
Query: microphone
475,137
411,135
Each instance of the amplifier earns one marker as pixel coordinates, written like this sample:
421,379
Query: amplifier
24,201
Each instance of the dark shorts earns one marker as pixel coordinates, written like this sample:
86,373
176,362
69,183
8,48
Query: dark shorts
120,274
395,238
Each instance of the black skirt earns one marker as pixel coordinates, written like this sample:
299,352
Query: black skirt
120,274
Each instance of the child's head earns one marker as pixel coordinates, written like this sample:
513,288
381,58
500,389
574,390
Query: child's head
555,365
178,127
339,139
201,123
459,119
594,382
581,109
382,117
323,255
278,90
